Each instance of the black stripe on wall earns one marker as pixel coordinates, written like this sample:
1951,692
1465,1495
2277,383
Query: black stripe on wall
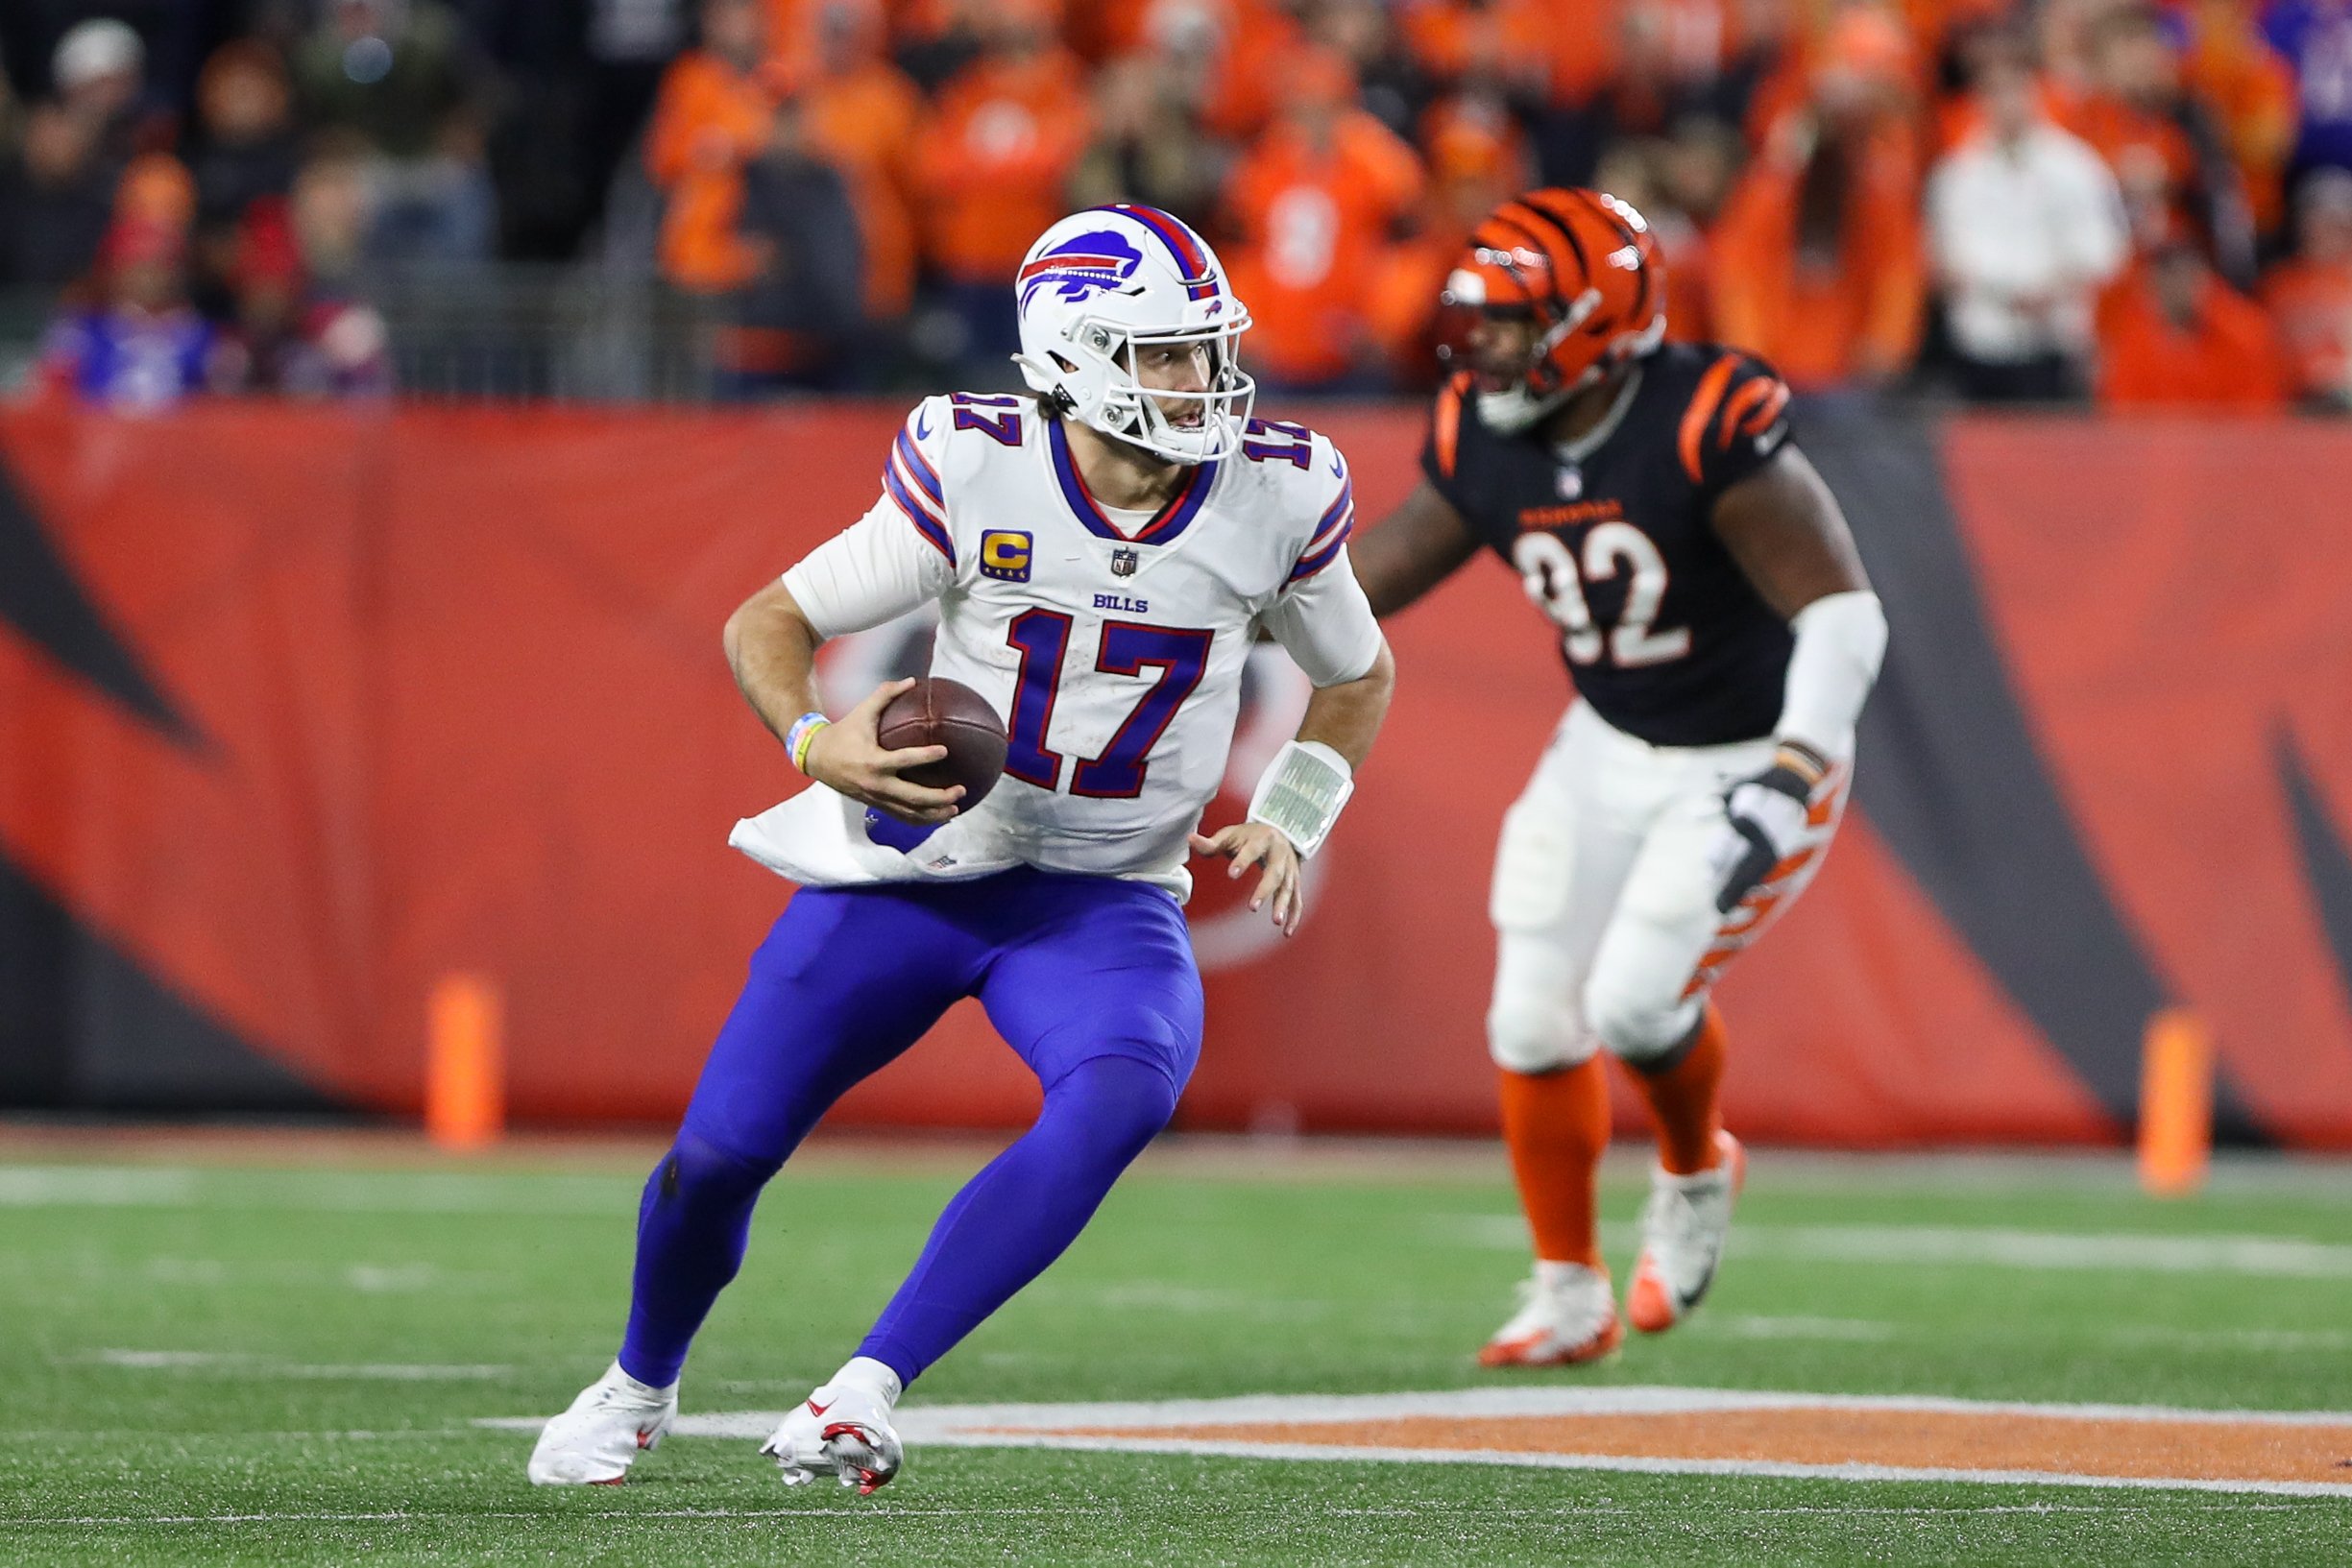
1950,777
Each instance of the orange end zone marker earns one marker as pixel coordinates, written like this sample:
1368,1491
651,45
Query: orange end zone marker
2175,1103
464,1067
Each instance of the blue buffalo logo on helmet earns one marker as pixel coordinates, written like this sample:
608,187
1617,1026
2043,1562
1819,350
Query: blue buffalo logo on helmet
1082,265
1101,285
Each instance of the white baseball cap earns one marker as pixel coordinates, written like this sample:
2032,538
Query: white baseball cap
99,47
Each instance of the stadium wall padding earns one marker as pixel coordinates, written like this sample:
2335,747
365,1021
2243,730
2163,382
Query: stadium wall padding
302,709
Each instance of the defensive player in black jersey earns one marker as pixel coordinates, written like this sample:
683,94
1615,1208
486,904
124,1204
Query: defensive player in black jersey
1722,637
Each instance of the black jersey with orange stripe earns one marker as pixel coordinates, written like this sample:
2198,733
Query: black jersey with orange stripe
1661,630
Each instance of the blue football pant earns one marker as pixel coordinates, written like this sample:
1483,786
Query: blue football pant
1090,979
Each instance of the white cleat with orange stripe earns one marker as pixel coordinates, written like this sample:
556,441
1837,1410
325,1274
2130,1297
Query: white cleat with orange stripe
593,1443
1567,1316
1683,1231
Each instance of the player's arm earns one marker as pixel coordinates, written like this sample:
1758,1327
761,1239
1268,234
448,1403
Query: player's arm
1419,545
1325,624
876,569
1425,540
772,649
1347,716
1786,530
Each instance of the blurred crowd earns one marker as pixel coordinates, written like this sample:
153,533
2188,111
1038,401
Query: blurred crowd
2140,201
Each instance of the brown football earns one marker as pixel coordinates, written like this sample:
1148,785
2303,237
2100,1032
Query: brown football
943,713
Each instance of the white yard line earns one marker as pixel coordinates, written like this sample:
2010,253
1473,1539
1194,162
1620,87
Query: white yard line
1797,1326
978,1423
264,1368
2277,1257
1863,1329
1132,1424
1348,1453
882,1513
556,1512
313,1192
2286,1341
96,1186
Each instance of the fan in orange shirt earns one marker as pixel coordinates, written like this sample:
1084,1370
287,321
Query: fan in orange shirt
992,161
1815,259
863,113
710,117
1151,146
1665,181
2310,296
2140,118
2253,93
1259,39
1560,50
1476,160
1315,205
2177,336
1859,40
1250,43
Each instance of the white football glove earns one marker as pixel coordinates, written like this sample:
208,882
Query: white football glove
1765,816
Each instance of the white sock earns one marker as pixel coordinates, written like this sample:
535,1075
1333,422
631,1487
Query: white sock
875,1378
1558,1277
636,1387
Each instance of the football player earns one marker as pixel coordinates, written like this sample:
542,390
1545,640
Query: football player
1721,638
1103,554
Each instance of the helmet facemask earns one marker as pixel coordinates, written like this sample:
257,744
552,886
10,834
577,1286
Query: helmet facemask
1598,300
1127,409
1535,386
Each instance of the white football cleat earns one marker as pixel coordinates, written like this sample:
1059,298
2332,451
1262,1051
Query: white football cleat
1566,1316
840,1430
594,1442
1683,1231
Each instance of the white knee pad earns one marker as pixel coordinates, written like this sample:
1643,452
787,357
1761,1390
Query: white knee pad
1528,1039
1533,1024
1637,1016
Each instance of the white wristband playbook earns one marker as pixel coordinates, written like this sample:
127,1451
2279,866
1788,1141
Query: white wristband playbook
1301,792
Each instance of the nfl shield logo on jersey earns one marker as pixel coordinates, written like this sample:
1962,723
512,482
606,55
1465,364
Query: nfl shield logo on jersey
1571,480
1124,561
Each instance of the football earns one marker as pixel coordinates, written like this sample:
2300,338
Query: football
941,713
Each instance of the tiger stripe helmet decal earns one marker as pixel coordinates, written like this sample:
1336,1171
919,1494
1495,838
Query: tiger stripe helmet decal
1588,267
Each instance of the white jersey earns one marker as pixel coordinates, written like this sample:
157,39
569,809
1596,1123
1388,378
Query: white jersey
1111,644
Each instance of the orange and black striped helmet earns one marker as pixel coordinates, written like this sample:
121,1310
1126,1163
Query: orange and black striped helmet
1585,264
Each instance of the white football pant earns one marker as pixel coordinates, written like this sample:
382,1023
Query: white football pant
1605,885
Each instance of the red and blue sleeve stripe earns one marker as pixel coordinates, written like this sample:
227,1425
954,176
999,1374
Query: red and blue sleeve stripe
1328,552
1331,531
921,506
919,467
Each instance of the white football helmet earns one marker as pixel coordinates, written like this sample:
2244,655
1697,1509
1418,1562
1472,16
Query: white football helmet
1099,283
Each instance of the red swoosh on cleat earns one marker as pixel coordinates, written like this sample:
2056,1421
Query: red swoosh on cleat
815,1408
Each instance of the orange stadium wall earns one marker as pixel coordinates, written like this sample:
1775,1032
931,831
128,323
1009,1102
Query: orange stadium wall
303,710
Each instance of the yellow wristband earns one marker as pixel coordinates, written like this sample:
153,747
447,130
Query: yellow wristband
797,738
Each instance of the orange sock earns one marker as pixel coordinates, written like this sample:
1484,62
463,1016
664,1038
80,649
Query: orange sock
1556,1125
1682,1099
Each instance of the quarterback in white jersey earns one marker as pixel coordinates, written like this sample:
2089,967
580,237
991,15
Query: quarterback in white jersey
1110,639
1103,554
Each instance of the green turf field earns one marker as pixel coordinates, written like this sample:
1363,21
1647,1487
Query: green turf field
231,1361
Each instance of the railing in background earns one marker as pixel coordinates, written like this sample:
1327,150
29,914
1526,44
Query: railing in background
509,331
570,334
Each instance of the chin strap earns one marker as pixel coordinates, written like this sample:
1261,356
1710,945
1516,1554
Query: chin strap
1508,413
